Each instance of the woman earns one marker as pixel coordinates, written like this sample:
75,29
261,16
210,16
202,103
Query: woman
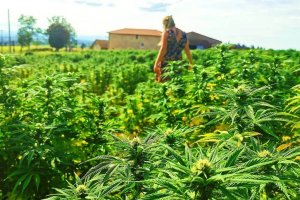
173,41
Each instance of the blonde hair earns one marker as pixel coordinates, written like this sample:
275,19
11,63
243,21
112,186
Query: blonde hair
168,22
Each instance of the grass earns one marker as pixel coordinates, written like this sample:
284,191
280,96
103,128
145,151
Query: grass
34,48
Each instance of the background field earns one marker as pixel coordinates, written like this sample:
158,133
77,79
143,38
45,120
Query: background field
35,48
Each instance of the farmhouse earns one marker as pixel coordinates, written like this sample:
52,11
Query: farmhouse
129,38
147,39
198,41
99,44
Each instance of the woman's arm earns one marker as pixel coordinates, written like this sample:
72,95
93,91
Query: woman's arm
188,54
162,52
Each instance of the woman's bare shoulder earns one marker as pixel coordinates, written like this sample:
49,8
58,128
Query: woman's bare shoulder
165,34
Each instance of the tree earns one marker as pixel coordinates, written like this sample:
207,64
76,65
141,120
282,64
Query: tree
83,45
26,31
58,36
61,33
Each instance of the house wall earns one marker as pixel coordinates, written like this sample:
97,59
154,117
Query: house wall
96,47
122,41
99,45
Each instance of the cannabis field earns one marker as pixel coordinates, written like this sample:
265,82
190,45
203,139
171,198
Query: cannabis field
95,125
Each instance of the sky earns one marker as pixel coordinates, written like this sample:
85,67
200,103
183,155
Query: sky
262,23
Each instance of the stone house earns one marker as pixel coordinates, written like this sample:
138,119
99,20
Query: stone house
129,38
99,44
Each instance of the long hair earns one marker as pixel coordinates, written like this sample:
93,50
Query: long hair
168,22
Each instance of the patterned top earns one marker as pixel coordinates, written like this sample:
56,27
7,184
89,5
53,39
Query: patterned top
174,47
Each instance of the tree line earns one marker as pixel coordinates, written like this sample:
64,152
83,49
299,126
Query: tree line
60,33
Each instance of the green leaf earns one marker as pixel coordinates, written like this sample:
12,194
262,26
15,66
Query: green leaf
113,186
62,192
170,185
30,157
177,156
249,181
19,182
289,162
284,189
268,130
233,157
155,196
255,166
227,193
26,182
110,172
37,181
15,173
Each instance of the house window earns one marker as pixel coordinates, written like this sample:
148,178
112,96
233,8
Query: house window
200,46
136,36
142,45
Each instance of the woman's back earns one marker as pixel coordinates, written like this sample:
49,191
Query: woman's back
176,42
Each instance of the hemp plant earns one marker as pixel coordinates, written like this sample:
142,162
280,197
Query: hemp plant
129,168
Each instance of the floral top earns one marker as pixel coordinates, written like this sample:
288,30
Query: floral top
174,47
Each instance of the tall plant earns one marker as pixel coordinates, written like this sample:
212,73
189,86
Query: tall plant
225,173
245,110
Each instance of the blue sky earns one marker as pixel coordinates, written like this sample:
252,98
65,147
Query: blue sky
265,23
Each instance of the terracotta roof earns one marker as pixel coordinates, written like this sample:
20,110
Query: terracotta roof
132,31
102,43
